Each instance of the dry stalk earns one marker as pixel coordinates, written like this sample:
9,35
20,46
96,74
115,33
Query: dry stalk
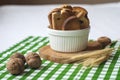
95,54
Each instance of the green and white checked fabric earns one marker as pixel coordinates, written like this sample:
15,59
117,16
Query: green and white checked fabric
109,70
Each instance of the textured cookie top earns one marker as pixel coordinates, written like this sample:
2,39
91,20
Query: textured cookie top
58,16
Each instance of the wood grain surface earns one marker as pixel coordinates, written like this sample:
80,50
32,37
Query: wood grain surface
47,53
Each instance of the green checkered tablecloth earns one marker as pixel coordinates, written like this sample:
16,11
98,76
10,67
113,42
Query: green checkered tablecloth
109,70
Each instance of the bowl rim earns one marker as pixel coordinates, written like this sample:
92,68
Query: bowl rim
68,30
80,32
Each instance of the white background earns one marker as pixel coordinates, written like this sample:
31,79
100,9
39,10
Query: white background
19,22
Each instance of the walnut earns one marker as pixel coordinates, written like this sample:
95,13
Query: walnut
15,66
33,60
104,41
94,45
18,55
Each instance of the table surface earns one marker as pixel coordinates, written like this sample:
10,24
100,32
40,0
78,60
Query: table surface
108,70
20,21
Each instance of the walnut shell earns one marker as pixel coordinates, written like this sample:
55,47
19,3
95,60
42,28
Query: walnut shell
34,63
15,66
18,55
94,45
31,55
104,41
33,60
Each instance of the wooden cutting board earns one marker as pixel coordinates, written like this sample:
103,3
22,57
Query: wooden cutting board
47,53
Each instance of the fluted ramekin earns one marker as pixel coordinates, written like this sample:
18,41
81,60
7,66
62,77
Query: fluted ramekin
68,40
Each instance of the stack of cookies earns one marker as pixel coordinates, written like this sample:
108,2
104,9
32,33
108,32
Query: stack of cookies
67,17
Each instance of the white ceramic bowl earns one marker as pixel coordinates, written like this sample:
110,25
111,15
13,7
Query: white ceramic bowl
69,40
